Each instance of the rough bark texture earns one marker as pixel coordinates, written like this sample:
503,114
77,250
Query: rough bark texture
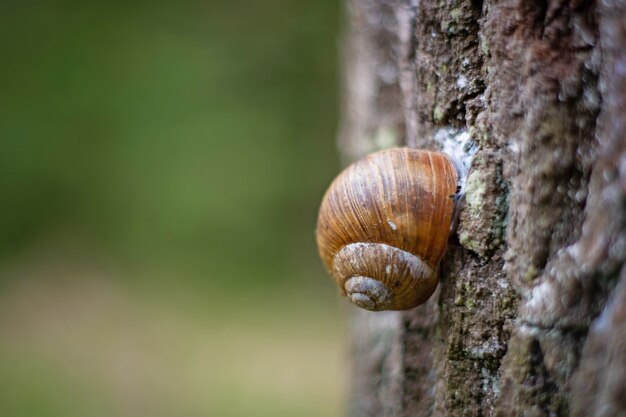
530,315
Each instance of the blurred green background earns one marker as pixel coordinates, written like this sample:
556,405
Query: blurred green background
160,169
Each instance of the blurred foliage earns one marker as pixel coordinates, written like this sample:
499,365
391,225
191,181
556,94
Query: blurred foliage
160,169
196,134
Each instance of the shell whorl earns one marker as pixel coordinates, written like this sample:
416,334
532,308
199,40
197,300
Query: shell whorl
383,227
377,276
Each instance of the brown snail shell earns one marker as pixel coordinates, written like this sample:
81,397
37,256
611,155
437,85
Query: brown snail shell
383,227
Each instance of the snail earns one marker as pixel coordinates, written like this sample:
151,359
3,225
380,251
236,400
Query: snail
383,227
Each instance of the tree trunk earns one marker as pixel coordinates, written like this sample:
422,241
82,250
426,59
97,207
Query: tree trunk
530,315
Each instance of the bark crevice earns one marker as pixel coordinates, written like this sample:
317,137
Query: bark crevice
533,281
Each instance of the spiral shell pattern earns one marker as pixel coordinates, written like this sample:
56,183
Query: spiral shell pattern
383,227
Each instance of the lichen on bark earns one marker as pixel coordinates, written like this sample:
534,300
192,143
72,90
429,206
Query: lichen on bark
528,316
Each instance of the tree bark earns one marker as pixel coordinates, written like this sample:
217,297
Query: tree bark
530,315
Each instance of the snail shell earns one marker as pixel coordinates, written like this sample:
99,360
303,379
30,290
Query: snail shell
383,227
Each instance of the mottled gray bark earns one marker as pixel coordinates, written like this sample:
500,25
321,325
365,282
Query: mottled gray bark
530,315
